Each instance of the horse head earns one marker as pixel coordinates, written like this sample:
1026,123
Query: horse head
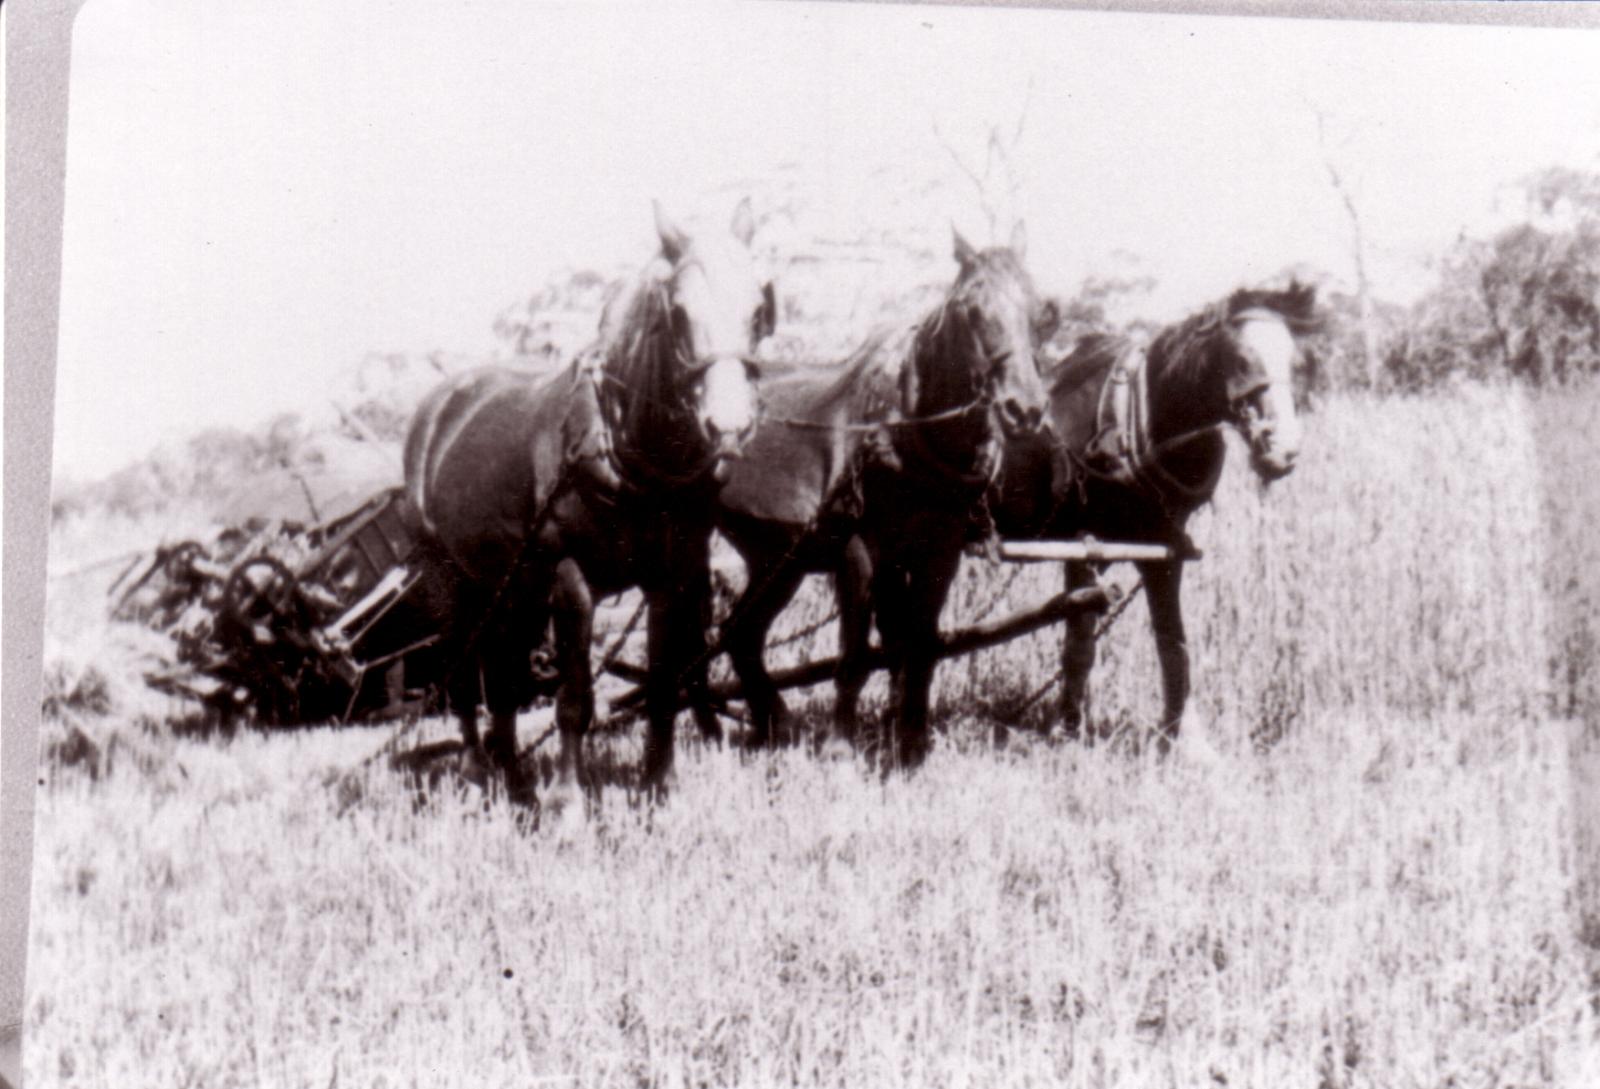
1258,352
720,310
985,338
678,345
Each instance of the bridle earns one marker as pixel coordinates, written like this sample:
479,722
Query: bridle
617,397
691,365
1244,395
980,400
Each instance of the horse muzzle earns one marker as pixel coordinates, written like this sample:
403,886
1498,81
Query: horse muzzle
1272,433
1270,459
1021,421
725,447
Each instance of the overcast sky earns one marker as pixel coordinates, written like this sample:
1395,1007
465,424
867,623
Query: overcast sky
258,194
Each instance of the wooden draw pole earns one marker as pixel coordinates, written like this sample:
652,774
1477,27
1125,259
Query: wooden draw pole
1091,600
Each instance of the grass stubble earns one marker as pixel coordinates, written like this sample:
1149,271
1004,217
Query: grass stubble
1366,865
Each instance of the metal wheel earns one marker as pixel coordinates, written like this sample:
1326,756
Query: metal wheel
259,592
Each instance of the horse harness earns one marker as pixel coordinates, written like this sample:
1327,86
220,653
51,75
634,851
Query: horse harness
591,456
1123,451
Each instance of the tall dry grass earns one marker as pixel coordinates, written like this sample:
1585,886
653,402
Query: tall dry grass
1368,872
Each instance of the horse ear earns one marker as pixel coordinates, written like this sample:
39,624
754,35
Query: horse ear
674,243
965,254
1019,240
744,223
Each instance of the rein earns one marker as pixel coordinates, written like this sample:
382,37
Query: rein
863,428
631,468
911,423
982,476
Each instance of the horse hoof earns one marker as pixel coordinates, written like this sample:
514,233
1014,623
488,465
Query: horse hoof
832,747
561,815
475,767
710,727
657,791
655,783
523,794
903,759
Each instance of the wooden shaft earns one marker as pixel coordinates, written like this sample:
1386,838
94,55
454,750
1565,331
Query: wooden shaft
1090,599
1086,550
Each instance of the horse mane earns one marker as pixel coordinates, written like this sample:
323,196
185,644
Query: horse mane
1179,352
638,346
863,382
946,329
1295,304
1091,357
856,373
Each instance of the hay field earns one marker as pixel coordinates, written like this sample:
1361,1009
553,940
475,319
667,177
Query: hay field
1367,864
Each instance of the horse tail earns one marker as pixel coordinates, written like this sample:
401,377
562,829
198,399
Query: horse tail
419,443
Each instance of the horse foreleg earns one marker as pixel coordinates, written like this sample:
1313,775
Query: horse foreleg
746,637
463,693
853,587
663,626
927,586
505,653
1162,583
889,607
572,610
697,683
454,606
678,603
1077,658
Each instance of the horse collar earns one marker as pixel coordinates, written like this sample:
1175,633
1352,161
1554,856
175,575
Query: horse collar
1122,438
592,451
1123,450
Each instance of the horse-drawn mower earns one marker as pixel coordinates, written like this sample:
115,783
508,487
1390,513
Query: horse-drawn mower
291,623
288,623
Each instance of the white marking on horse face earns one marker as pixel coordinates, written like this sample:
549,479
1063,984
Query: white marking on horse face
728,403
721,299
1275,437
1021,394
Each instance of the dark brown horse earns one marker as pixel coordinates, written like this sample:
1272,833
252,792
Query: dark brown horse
1137,445
877,472
539,493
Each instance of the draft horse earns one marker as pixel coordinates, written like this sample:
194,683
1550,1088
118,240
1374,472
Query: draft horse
1137,446
876,471
536,494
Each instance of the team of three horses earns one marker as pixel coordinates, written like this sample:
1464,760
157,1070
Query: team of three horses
539,494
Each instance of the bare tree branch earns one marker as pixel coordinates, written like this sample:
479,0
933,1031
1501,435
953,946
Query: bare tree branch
979,183
996,149
1358,250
